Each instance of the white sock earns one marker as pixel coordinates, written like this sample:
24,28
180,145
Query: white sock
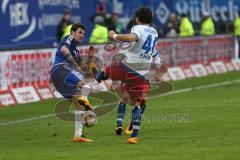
78,123
86,90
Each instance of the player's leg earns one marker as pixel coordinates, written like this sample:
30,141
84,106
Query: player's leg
78,91
138,94
135,121
66,81
121,111
78,134
116,71
82,104
121,108
134,126
81,99
129,128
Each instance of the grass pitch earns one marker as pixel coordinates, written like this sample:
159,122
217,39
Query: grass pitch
196,124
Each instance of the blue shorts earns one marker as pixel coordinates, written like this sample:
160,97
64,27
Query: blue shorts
65,78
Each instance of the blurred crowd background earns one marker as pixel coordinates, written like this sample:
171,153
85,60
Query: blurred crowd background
42,23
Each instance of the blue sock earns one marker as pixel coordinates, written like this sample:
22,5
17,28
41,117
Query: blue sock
101,76
121,111
142,111
136,120
143,108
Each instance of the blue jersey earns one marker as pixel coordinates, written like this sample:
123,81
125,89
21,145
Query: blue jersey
71,44
64,76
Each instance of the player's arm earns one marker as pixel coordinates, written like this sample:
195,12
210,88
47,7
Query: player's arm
65,51
160,69
123,37
157,60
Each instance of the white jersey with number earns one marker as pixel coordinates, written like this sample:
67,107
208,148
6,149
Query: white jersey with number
140,56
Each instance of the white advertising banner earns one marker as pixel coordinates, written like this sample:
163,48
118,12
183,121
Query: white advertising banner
219,67
25,95
176,73
6,99
198,70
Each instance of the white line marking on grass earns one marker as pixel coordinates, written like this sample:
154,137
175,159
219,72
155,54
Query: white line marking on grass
198,88
217,84
27,119
170,93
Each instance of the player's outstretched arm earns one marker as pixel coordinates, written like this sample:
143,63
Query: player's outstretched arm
123,37
65,51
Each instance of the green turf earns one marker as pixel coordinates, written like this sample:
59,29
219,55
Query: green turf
200,124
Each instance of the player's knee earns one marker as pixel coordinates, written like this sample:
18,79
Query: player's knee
139,101
136,103
124,100
86,90
143,101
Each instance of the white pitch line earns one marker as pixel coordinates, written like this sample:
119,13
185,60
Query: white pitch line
27,119
198,88
217,84
170,93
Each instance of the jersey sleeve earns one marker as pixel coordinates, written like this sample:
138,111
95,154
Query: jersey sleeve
136,30
67,41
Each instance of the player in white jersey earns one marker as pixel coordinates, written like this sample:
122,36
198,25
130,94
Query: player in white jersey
140,57
133,70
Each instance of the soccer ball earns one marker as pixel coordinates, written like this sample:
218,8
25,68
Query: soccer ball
89,118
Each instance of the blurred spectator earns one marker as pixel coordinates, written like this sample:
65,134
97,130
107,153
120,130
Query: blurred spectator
221,26
66,20
237,26
100,32
186,27
207,25
112,23
130,24
171,28
67,30
237,31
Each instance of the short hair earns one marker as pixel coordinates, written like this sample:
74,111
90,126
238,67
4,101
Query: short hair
67,11
183,15
75,26
144,14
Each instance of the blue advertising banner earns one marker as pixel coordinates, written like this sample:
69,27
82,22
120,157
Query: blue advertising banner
226,10
32,23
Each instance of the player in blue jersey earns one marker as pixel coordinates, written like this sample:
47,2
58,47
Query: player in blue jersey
67,75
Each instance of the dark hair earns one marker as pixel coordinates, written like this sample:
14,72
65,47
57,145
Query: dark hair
144,14
183,15
67,11
75,26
